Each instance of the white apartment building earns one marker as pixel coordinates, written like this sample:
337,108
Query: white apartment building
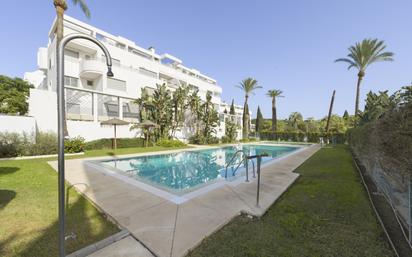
92,97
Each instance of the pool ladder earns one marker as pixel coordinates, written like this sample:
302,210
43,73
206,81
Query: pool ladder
244,160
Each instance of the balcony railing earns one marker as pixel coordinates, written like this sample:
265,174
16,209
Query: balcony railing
80,105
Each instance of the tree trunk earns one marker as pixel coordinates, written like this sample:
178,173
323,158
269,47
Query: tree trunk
360,77
245,117
274,115
61,7
330,112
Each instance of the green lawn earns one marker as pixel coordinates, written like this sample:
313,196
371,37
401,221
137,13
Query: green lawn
325,213
28,208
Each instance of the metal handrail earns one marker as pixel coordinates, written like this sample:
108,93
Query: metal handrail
259,160
230,162
245,159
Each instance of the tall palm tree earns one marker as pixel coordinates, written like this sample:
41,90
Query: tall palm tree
247,85
363,54
61,7
273,93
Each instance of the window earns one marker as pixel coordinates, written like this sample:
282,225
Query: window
71,54
120,45
107,106
89,83
71,81
115,62
130,109
193,87
99,37
139,53
147,72
116,84
149,91
50,64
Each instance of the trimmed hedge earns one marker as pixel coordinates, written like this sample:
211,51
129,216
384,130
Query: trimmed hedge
106,143
170,143
338,138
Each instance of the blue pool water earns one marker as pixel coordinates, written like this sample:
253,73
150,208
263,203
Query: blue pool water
183,171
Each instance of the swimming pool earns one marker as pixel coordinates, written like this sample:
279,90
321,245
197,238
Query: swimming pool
185,171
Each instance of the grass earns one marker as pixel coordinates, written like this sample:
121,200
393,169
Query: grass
28,208
325,213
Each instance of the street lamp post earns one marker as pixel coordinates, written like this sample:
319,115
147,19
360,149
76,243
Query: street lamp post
60,124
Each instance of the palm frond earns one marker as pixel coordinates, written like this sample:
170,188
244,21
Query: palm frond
274,93
366,52
83,6
248,85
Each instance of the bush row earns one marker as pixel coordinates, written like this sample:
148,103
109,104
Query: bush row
15,144
338,138
170,143
201,140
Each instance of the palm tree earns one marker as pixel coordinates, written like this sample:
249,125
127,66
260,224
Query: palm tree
273,93
61,7
195,110
295,118
361,55
248,85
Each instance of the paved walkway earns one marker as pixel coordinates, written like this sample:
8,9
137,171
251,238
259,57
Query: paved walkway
169,229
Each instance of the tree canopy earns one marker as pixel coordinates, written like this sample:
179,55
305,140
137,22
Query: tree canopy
14,93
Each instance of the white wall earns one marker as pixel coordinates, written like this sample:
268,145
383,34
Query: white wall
91,130
43,106
18,124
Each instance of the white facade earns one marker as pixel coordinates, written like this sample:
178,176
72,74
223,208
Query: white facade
18,124
92,97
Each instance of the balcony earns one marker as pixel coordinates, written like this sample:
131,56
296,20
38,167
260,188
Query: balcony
92,68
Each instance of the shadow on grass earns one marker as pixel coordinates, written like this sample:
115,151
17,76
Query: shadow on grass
5,197
8,170
111,154
86,223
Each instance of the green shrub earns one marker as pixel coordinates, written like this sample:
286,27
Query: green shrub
225,140
212,140
15,144
46,143
201,140
170,143
197,139
74,145
11,144
338,138
106,143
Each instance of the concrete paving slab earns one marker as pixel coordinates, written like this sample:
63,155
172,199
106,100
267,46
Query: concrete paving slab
126,247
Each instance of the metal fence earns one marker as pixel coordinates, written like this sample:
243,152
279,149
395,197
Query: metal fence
396,188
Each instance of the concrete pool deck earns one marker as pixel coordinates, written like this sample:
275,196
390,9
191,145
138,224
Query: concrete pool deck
170,229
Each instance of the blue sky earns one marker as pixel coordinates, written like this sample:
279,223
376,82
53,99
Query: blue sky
287,45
